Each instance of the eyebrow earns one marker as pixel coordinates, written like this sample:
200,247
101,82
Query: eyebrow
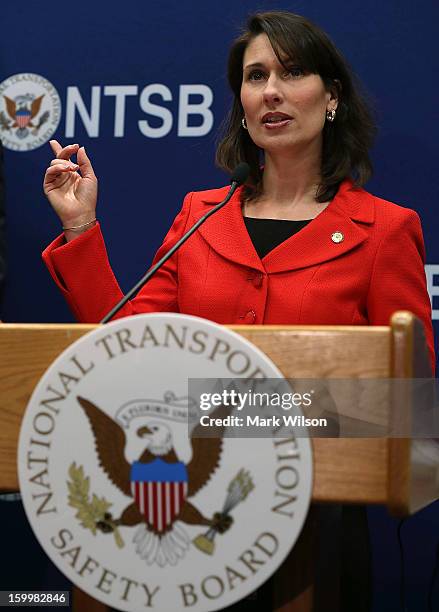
254,65
262,65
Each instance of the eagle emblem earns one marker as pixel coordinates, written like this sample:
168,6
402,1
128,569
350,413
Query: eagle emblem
22,110
160,486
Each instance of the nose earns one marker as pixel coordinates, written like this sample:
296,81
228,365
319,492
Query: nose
272,92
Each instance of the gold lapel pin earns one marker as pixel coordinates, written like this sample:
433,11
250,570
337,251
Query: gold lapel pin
337,237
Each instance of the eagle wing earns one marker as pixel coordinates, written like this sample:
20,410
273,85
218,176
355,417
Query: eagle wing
206,453
11,107
35,106
110,444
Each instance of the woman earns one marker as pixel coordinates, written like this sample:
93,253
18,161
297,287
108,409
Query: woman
301,243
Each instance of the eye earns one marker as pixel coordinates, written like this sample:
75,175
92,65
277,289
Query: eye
255,75
155,428
296,72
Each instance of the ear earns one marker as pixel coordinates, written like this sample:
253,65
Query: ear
335,92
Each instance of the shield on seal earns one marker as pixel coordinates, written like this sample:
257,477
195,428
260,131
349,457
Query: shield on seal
159,490
22,117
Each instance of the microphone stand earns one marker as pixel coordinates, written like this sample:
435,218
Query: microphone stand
169,254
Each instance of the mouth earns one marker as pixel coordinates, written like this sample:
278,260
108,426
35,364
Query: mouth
276,120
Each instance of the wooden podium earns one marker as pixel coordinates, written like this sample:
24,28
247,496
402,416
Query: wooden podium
346,470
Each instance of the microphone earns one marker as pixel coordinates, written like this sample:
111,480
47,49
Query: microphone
239,176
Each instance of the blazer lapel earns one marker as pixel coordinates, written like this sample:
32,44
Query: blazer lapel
227,235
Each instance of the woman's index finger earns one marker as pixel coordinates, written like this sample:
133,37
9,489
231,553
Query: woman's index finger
66,152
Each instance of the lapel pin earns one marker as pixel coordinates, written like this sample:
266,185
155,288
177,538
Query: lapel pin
337,237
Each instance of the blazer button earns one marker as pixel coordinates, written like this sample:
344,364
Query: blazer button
249,318
257,280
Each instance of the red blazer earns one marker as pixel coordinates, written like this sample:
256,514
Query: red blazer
310,279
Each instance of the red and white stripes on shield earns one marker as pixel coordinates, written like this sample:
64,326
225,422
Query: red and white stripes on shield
159,502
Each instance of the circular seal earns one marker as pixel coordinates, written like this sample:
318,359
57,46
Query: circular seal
30,111
124,495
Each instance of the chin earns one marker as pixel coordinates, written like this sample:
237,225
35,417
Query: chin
280,145
285,144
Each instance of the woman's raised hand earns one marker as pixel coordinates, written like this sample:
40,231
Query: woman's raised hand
71,188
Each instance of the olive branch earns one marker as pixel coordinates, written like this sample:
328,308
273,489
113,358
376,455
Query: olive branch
89,511
4,122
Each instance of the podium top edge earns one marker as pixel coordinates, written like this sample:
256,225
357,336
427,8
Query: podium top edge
54,326
304,328
367,329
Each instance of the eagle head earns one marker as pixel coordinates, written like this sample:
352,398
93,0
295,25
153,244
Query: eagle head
158,437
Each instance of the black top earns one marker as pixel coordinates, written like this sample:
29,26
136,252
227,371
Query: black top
266,234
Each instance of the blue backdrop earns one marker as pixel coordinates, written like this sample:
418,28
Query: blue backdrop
120,69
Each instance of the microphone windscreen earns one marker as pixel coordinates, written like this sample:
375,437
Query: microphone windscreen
240,173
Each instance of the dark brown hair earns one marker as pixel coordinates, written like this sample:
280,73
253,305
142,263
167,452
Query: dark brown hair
346,141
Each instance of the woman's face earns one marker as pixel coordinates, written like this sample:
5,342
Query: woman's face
285,110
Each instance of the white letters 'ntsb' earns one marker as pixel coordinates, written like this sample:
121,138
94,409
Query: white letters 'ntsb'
194,114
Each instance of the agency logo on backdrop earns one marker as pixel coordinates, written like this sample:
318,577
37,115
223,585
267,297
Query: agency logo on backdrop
30,111
134,507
